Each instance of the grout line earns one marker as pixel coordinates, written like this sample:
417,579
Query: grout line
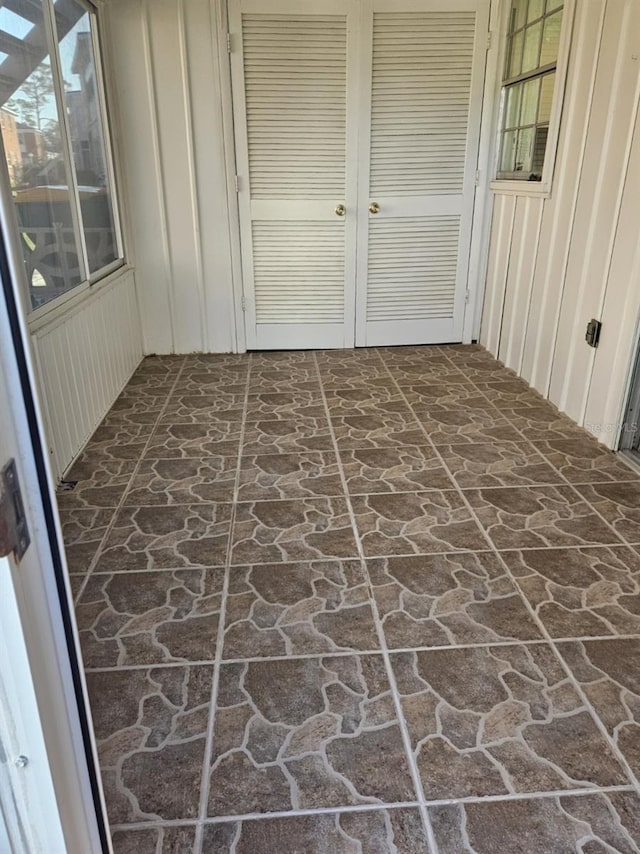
346,653
208,752
120,505
375,807
406,740
617,752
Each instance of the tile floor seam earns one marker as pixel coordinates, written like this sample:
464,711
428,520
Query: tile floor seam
363,808
617,752
205,781
210,662
120,504
413,768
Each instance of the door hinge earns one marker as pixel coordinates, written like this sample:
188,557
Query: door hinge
236,182
594,327
467,296
228,42
243,302
14,532
489,39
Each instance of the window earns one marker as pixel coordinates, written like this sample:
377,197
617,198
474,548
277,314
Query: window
55,142
528,84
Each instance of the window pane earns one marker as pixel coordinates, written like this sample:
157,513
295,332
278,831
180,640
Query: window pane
536,9
508,154
514,99
518,14
530,101
531,47
551,38
73,24
546,98
33,150
524,150
515,55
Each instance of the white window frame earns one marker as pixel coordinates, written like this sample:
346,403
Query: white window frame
522,187
90,280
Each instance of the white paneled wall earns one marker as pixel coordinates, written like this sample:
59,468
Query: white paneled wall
84,360
164,68
556,262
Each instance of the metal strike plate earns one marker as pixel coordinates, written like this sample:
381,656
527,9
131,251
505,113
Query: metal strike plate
14,532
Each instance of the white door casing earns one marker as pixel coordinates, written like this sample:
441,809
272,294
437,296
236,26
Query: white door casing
352,103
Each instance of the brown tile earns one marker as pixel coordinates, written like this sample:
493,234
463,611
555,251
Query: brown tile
418,523
306,733
285,378
541,422
453,392
115,442
298,608
453,426
99,484
214,361
414,376
427,355
286,436
183,481
288,405
151,383
175,441
581,592
460,353
204,408
355,376
130,416
403,469
609,674
583,460
302,529
502,464
619,503
206,383
82,532
561,825
347,358
150,617
497,720
160,365
155,840
442,600
138,402
269,358
509,391
526,517
376,430
481,369
150,727
384,831
186,536
266,476
366,399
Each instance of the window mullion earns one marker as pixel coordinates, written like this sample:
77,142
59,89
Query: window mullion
65,135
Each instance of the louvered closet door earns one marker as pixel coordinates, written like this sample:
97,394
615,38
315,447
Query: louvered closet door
296,152
418,158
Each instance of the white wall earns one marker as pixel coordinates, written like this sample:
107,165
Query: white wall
163,63
84,358
555,263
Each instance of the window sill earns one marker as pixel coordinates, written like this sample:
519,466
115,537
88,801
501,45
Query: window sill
535,189
59,308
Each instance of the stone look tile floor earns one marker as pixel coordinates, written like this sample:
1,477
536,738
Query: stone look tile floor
357,601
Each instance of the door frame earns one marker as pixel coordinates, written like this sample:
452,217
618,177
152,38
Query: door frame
40,581
483,203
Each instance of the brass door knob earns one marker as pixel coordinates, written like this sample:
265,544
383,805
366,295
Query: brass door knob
374,208
340,210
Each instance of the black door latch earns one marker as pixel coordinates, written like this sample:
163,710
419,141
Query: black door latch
593,333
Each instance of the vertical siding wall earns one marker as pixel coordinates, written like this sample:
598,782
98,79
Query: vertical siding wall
163,63
555,263
84,360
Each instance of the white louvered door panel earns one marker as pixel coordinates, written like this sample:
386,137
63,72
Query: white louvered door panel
418,157
297,161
